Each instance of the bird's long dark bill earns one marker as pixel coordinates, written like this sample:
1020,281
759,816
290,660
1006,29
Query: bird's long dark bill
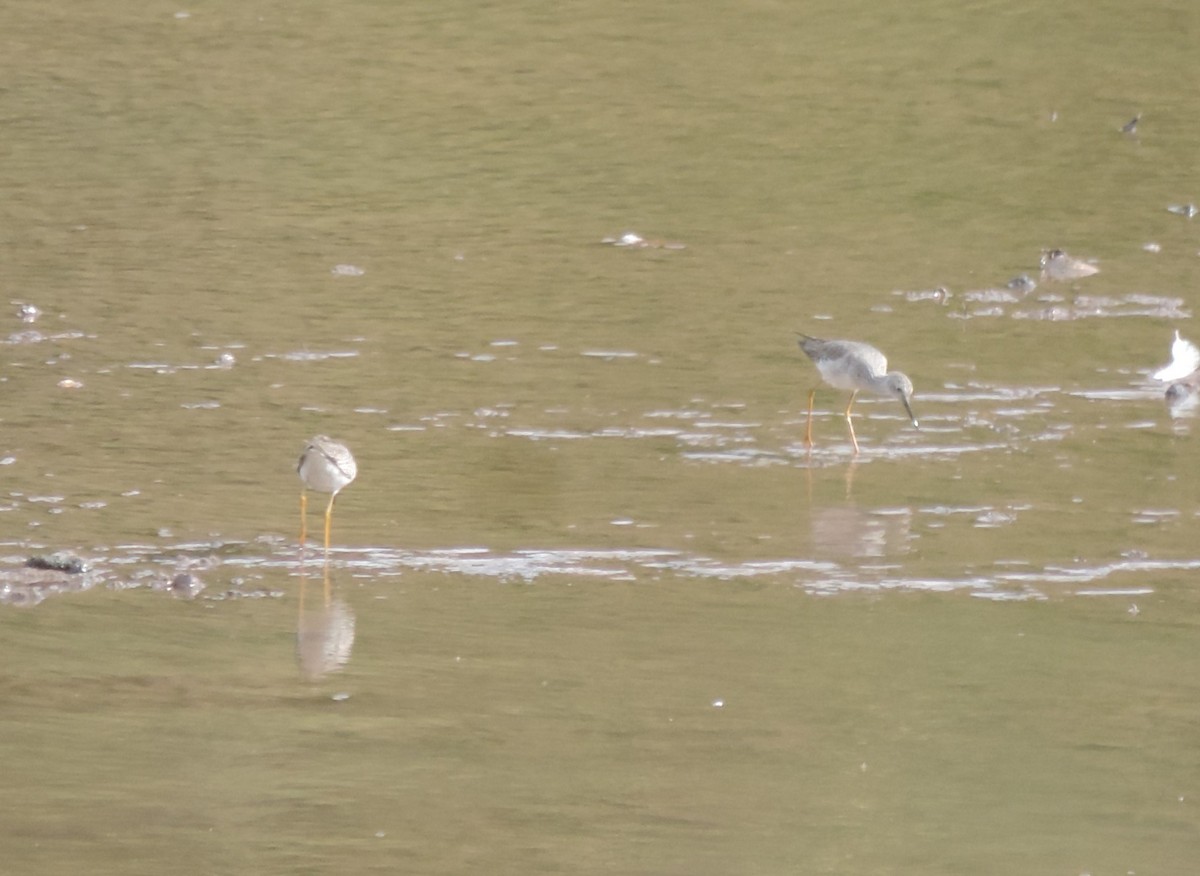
911,415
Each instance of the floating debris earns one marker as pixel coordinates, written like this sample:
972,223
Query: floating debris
1089,306
312,355
185,585
69,383
29,336
1188,210
990,296
609,354
941,295
1152,247
29,585
1057,265
1130,127
347,271
635,240
629,238
1183,391
59,561
1022,284
28,312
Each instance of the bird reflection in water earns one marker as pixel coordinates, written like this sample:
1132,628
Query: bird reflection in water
849,531
842,530
324,631
1183,397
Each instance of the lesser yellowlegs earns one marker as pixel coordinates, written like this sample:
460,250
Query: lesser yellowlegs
326,466
855,366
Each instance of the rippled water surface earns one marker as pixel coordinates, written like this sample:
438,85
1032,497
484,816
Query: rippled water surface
593,604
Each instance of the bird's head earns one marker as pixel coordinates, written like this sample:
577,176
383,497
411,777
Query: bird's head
901,387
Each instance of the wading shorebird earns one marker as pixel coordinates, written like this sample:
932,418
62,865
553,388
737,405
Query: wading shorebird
1185,360
855,366
326,466
1183,372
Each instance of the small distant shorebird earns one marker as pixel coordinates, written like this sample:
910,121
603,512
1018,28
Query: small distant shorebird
855,366
1183,372
326,466
1057,265
1185,360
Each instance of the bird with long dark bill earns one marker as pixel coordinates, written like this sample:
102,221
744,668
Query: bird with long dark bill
854,366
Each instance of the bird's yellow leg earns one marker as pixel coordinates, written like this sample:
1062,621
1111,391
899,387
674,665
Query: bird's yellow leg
328,521
303,514
850,422
808,429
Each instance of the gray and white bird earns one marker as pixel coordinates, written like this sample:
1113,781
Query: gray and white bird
1185,360
326,466
854,366
1182,372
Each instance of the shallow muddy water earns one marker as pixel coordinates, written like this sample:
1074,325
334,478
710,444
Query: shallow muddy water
593,605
